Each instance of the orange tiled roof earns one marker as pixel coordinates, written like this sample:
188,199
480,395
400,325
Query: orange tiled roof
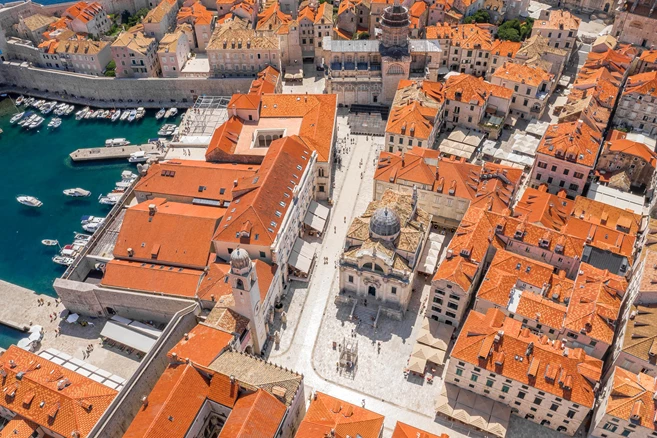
403,430
254,415
438,31
595,304
272,18
505,48
559,19
83,11
224,139
176,234
541,207
308,13
575,373
524,74
75,408
416,11
629,147
325,11
154,278
202,345
215,282
649,56
471,36
195,179
469,89
614,60
574,141
599,236
631,398
643,83
256,201
266,81
19,427
326,414
413,120
545,311
610,216
195,14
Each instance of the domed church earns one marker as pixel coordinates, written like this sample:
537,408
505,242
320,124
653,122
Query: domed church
382,251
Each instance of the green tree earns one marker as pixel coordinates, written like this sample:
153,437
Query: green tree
508,34
110,69
514,30
481,16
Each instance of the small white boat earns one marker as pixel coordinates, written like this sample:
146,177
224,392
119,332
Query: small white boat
171,112
141,112
160,114
132,115
141,156
55,122
16,117
48,107
25,121
35,124
77,192
30,201
19,100
63,260
166,130
125,114
91,227
82,237
116,115
50,242
114,142
80,114
90,219
69,110
110,198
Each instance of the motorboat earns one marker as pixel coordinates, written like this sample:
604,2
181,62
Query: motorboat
141,112
19,100
141,156
77,192
87,219
38,121
27,119
29,201
116,115
171,112
88,114
55,122
50,242
160,114
82,237
80,114
125,114
110,198
92,227
114,142
48,107
69,110
63,260
71,250
127,175
166,130
16,117
132,115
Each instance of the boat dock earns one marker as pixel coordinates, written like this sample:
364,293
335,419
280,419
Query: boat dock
113,153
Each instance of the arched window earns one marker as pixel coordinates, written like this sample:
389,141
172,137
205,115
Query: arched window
378,268
396,69
240,284
367,266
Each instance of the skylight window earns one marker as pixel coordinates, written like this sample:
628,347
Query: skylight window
272,223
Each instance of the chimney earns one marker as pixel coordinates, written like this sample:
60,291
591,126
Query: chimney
152,208
144,401
131,252
186,335
235,183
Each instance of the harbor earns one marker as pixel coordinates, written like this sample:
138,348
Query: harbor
37,163
115,153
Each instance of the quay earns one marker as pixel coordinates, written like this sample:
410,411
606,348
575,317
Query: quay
113,153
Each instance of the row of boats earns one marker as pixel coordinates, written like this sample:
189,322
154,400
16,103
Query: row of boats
113,197
69,252
31,120
166,113
112,115
46,107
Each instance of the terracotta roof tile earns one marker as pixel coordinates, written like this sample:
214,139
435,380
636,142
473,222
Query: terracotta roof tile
631,398
543,310
524,74
469,89
541,207
574,141
403,430
254,415
176,234
644,84
153,278
83,11
640,335
649,56
202,345
327,413
195,14
579,372
559,19
505,48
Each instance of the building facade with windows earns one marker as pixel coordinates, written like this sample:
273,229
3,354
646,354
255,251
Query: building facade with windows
242,52
559,26
135,55
532,87
637,107
540,380
172,53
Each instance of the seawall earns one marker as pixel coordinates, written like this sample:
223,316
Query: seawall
111,92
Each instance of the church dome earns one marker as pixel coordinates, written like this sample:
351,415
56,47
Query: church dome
239,259
385,223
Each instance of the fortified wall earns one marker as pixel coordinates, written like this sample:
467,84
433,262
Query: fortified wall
153,92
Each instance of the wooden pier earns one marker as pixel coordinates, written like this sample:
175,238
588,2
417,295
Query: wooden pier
113,153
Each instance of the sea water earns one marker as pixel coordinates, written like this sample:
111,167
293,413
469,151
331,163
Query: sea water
36,162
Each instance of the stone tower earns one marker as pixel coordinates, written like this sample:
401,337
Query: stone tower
395,56
246,292
395,26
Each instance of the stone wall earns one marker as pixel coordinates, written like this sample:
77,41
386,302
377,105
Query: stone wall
117,418
154,92
93,300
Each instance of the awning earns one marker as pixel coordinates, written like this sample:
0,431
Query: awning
429,354
434,334
417,365
473,409
302,255
316,216
431,253
127,337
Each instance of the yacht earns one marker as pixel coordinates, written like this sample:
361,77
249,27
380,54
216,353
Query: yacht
132,115
77,192
88,218
171,112
63,260
55,122
16,117
82,237
27,119
113,142
30,201
160,114
141,156
141,112
48,107
92,227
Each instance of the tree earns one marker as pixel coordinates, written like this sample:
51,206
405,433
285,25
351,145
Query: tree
110,69
481,16
508,34
514,30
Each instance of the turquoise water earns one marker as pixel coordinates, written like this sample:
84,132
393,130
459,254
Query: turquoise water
10,336
37,163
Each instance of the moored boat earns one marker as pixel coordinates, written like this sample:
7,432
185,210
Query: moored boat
77,192
63,260
141,112
166,130
116,115
19,100
113,142
29,201
171,112
55,122
16,117
50,242
160,114
132,115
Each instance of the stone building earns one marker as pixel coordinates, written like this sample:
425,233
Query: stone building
237,52
635,22
315,22
135,55
353,17
637,107
635,161
647,61
172,53
540,380
532,87
33,26
201,20
160,19
382,251
565,157
79,56
559,27
88,18
369,71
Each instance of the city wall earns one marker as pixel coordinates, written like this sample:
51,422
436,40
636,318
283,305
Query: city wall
100,91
